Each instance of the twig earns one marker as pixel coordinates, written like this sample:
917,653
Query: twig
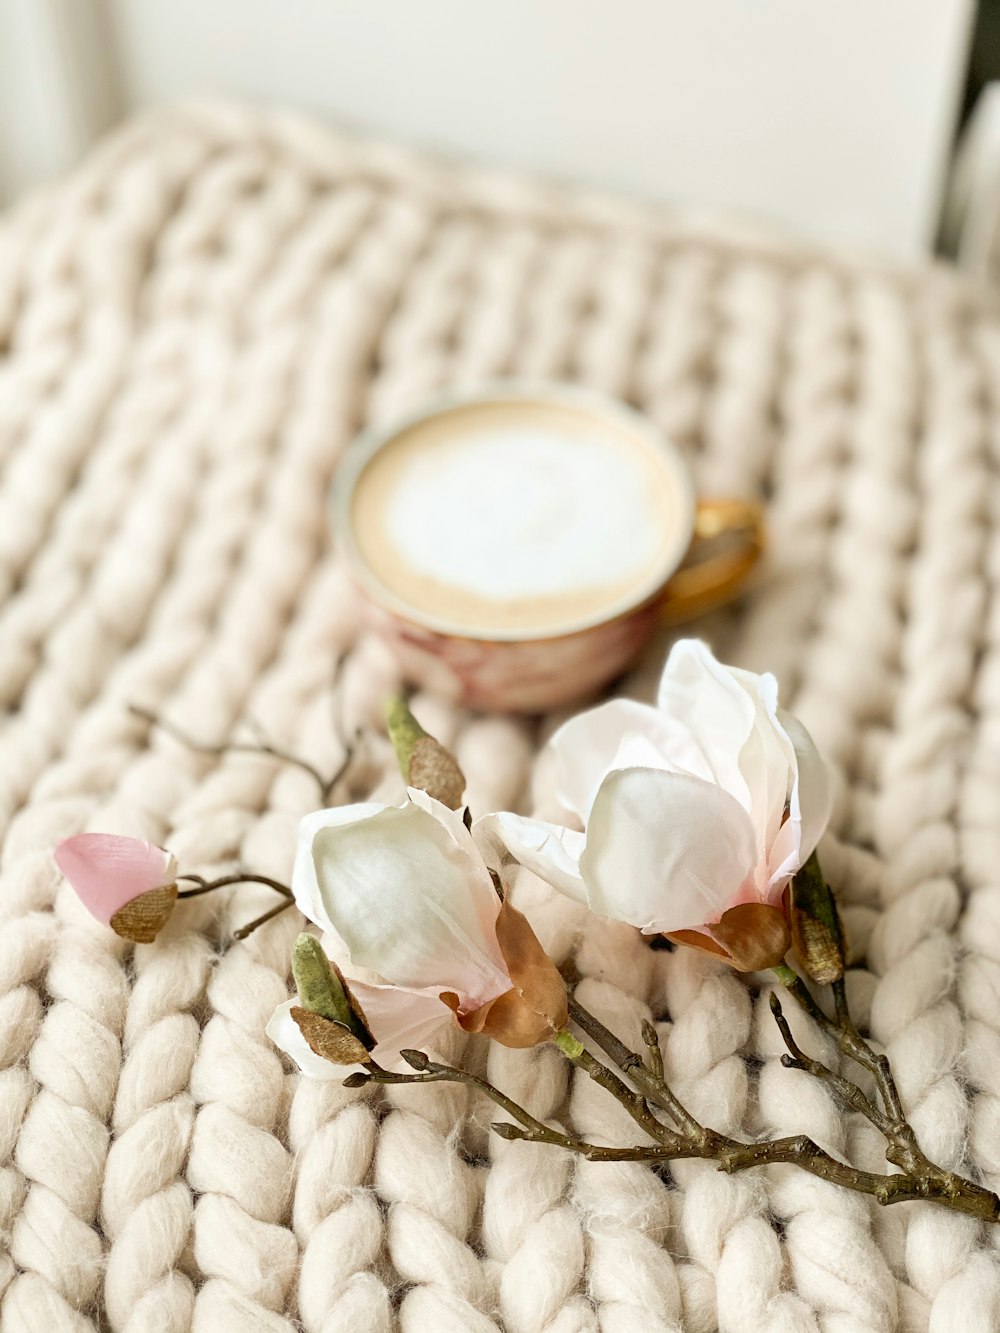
203,885
847,1037
239,877
849,1093
251,926
731,1155
655,1055
430,1072
921,1178
633,1102
925,1178
260,746
653,1088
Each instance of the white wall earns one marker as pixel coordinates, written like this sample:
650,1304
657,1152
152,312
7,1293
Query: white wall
831,117
58,86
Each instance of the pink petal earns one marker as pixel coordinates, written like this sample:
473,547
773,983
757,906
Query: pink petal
398,1019
401,1019
107,871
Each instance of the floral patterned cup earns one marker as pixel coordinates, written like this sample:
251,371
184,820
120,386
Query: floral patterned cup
712,547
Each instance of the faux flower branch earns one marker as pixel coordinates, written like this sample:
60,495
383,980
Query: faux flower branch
697,819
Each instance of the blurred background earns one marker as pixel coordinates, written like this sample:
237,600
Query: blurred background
868,123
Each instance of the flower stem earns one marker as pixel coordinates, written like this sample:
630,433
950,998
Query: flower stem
921,1179
731,1155
326,785
926,1178
251,926
224,881
203,885
650,1083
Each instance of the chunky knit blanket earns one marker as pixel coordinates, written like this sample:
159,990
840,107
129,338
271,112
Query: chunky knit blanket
192,328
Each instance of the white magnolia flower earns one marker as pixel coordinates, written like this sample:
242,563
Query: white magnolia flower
695,813
403,894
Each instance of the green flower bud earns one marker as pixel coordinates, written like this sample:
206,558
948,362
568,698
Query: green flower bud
815,923
322,989
423,761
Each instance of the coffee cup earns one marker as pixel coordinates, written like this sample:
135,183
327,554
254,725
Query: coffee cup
517,544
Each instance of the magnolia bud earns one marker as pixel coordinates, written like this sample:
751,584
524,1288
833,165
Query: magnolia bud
416,1059
815,923
331,1041
423,761
142,918
504,1131
323,991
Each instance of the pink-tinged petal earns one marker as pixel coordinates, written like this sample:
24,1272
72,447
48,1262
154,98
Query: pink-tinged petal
411,904
587,747
398,1020
717,714
665,851
308,897
767,762
107,870
551,851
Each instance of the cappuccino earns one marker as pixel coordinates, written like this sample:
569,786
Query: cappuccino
518,516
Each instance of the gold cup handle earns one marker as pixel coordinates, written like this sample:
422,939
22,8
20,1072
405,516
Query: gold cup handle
732,533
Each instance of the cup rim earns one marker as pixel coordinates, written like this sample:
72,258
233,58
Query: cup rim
373,439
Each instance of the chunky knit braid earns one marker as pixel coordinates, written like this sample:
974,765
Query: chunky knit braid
192,328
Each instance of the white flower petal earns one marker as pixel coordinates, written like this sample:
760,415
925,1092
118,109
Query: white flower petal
305,888
551,851
411,904
284,1032
665,851
810,803
588,746
337,951
452,820
716,712
812,796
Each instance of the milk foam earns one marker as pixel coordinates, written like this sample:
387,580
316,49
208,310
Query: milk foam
513,513
505,515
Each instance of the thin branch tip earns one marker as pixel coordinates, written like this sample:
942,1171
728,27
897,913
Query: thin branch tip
416,1059
262,746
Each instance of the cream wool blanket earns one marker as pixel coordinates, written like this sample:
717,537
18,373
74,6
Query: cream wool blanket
192,328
